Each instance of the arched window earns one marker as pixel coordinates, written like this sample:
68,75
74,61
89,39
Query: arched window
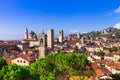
41,41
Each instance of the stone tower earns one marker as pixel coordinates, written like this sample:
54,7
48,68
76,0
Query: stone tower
82,40
60,36
91,39
50,38
78,35
42,45
26,33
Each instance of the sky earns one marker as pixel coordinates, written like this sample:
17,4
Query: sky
70,15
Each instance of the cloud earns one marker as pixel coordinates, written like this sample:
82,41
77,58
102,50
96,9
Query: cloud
117,26
117,10
74,31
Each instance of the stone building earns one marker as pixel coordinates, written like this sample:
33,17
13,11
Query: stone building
26,33
78,35
32,35
60,36
42,45
50,38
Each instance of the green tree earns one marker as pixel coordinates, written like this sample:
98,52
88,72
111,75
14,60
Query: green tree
113,49
100,53
116,76
14,72
2,63
58,66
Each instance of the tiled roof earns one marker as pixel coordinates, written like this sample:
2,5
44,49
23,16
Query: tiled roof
27,57
30,40
99,72
9,61
111,54
115,66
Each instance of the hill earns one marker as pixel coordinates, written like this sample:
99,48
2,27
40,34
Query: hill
108,33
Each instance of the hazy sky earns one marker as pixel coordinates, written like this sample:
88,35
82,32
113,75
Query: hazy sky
69,15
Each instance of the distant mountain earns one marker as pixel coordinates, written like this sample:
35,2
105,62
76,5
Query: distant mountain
109,33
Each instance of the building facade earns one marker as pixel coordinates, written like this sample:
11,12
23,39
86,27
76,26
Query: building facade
42,45
26,33
50,38
60,37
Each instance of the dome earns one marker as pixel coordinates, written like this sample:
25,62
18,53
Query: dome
32,35
32,32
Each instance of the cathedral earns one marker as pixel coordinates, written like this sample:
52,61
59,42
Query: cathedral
42,41
31,36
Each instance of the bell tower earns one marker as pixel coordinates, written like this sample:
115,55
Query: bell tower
78,35
26,33
42,45
50,38
60,36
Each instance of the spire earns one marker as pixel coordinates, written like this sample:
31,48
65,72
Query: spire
26,33
42,31
26,28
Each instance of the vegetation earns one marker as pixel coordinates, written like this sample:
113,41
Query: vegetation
59,66
93,34
14,72
110,33
54,67
114,49
116,76
2,63
100,53
118,60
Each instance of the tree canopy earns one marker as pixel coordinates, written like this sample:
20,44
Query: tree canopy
2,63
58,66
116,76
114,49
100,53
53,67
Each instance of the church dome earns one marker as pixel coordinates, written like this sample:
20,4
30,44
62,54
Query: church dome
32,32
32,35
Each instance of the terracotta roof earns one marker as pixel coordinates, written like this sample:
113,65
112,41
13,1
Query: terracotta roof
99,72
30,40
9,61
94,66
13,51
111,54
112,64
8,43
106,71
115,66
28,56
73,42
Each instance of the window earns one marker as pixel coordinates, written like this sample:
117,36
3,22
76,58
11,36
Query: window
41,41
20,60
24,61
17,60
